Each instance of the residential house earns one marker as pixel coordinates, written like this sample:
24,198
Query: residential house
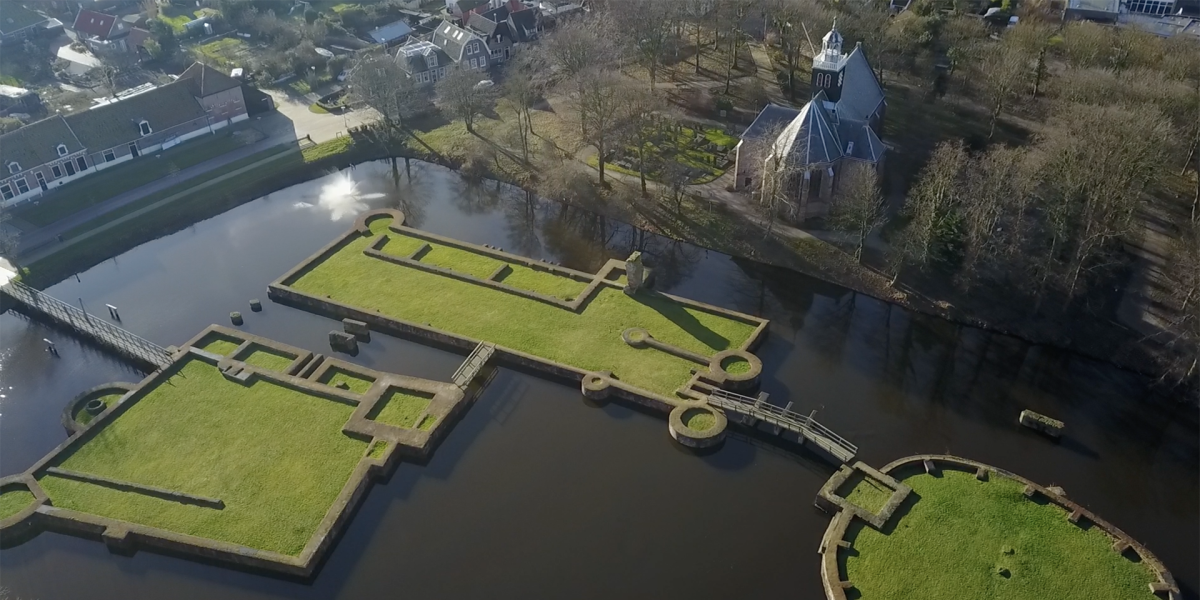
18,100
56,150
391,34
423,61
504,31
220,95
101,32
18,22
463,9
837,130
462,46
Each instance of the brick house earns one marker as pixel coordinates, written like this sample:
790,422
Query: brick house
505,31
101,32
56,150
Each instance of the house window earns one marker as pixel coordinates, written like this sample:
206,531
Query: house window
62,149
473,65
14,168
57,170
432,60
6,191
145,127
133,149
442,72
496,53
471,49
82,164
22,185
109,156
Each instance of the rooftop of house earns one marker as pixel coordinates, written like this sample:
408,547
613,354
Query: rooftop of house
16,17
204,80
451,39
96,24
422,55
118,123
36,143
390,32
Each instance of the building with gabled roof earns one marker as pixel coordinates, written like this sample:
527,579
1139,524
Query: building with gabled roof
837,130
102,32
426,61
43,155
18,22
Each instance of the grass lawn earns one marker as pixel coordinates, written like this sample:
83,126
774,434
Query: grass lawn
13,500
735,365
400,408
377,449
113,181
267,358
83,417
354,382
226,52
865,492
700,420
589,339
327,148
219,344
276,457
964,538
177,17
471,263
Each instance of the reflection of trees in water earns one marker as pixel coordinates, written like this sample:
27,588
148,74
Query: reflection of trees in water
521,218
672,260
579,238
408,187
477,198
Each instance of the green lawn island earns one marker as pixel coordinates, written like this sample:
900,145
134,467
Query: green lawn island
607,329
242,449
940,527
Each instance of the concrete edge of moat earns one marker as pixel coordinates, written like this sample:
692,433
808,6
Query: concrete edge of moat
835,540
303,374
708,371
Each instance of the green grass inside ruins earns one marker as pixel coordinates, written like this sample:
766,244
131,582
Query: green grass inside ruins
481,266
276,456
14,500
589,339
84,417
400,408
964,538
865,492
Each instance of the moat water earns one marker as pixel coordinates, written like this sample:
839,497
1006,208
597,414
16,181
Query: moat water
537,494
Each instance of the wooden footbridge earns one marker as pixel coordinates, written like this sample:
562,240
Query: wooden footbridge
140,350
755,410
473,364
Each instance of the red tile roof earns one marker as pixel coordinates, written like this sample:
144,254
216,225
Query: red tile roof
90,22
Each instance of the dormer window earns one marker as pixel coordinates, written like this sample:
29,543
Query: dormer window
14,167
62,150
432,60
145,127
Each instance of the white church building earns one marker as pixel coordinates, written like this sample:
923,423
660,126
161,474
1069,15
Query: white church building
836,131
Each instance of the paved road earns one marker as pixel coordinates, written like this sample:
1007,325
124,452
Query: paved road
319,126
277,130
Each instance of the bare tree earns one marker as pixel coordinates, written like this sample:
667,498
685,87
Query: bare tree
1179,295
794,21
1087,44
602,111
578,48
778,172
859,208
1032,39
462,94
115,65
646,28
644,130
994,210
1002,79
378,82
931,209
523,86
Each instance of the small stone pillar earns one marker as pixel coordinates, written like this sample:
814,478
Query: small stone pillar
343,342
635,273
235,317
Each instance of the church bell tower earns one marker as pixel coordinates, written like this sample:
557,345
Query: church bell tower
828,67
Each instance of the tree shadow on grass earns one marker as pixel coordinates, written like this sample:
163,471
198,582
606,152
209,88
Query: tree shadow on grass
686,321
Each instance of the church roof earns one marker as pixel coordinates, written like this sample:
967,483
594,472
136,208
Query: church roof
769,118
811,138
860,141
862,95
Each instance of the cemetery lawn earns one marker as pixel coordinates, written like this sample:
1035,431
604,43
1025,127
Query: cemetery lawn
957,537
679,147
276,456
589,339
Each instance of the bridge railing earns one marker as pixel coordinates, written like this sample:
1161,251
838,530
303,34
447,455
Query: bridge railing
98,329
804,425
474,362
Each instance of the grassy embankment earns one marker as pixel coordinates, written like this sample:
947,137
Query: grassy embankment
589,339
964,538
276,456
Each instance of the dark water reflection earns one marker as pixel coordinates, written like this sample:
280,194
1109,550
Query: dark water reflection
537,494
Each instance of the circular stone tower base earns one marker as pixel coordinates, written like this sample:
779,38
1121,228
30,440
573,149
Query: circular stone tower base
697,426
